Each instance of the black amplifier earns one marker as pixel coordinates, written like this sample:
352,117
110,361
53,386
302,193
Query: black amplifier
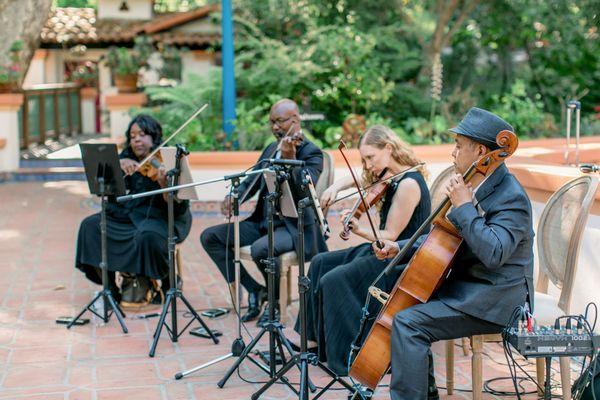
548,342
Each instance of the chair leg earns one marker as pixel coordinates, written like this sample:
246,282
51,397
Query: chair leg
283,297
565,377
450,366
232,293
289,286
540,373
465,346
179,261
476,366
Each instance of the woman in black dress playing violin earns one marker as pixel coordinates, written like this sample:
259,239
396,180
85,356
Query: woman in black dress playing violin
340,279
136,229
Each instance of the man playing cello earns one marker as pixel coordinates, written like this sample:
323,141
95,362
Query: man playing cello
493,270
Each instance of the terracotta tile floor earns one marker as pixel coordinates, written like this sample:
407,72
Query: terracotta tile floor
42,360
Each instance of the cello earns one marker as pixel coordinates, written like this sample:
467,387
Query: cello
424,273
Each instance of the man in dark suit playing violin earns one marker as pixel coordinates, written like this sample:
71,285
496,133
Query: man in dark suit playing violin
285,125
492,272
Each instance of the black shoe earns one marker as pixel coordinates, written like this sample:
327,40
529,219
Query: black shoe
432,393
255,302
264,318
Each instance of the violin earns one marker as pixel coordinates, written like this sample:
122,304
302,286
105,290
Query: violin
297,138
424,273
151,168
372,197
150,165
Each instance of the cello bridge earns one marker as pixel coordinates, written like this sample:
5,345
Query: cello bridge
379,294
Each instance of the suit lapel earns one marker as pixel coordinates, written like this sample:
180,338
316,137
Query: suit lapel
268,153
488,186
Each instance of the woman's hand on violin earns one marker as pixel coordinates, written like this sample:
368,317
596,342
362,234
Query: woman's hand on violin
352,222
389,250
328,196
458,191
288,145
161,176
128,165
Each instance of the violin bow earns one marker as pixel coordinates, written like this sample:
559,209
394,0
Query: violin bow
341,148
186,123
381,181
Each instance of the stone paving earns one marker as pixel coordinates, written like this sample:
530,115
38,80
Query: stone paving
42,360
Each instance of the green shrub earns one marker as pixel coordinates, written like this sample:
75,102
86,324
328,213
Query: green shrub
172,106
524,113
424,131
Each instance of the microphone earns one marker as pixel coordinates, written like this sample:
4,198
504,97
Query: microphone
588,168
286,162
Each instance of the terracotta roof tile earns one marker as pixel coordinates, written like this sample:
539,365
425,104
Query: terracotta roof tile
80,26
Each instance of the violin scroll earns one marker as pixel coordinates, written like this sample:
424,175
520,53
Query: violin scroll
508,143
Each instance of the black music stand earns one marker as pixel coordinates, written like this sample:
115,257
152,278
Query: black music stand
276,180
105,178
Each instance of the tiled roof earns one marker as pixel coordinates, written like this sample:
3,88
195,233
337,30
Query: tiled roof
81,26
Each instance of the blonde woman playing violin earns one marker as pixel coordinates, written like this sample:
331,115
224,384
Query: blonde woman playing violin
340,279
136,229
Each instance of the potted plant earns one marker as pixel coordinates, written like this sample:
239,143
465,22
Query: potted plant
125,64
10,73
85,74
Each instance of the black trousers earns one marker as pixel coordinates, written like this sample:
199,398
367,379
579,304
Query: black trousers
218,243
413,331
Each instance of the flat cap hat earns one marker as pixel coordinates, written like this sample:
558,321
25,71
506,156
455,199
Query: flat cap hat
482,126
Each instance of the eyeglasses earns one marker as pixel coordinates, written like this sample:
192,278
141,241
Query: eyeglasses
279,121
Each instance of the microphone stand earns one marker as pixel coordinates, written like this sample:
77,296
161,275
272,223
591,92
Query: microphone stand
277,339
174,291
304,357
238,345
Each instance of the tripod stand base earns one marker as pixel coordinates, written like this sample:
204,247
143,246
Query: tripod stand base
171,302
277,339
361,394
180,375
109,303
302,360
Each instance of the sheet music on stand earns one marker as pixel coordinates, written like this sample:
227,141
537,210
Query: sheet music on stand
101,160
287,207
185,175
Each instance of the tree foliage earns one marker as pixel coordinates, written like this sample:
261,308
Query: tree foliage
520,58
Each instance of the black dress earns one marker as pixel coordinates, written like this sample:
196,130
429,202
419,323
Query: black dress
340,281
136,233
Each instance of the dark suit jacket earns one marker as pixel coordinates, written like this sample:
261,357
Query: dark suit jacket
493,271
314,242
